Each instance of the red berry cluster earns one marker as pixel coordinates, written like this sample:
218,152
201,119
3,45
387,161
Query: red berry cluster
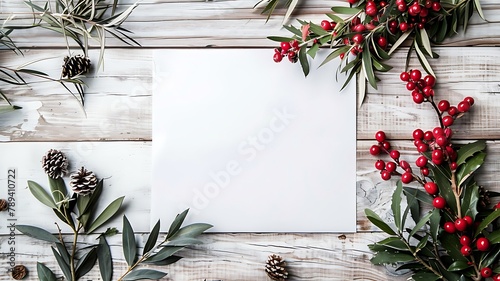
421,87
287,49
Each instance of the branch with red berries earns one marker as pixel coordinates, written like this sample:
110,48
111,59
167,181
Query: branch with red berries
459,238
368,32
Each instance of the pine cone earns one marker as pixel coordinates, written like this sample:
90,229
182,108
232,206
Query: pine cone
75,65
275,268
83,181
55,164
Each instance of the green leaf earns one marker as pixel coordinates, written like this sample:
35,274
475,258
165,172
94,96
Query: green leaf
368,69
434,224
467,169
346,10
63,252
41,195
303,60
450,242
458,265
425,276
109,212
164,253
86,204
138,274
420,195
470,199
361,86
423,60
469,150
37,233
420,224
291,6
391,258
176,224
44,273
486,221
279,38
376,220
192,230
129,244
105,259
313,50
393,243
479,9
153,236
445,188
166,261
335,54
411,205
424,38
62,264
494,237
184,241
86,263
490,257
422,243
398,42
8,108
396,205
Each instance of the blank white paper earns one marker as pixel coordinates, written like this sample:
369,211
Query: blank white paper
250,145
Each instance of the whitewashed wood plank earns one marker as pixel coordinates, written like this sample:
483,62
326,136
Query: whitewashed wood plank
227,24
124,166
241,257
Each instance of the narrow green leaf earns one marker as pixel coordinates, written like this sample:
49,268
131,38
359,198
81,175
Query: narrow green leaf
184,241
361,83
445,190
486,221
391,258
164,253
303,60
291,7
176,224
346,10
423,242
425,276
420,224
368,69
479,10
109,212
41,195
86,263
105,259
450,242
293,30
62,264
279,38
434,224
376,220
412,205
63,252
424,38
467,169
313,50
470,199
128,242
138,274
398,42
37,233
420,195
335,54
166,261
153,236
458,265
396,205
494,237
394,243
423,61
44,273
490,257
470,149
192,230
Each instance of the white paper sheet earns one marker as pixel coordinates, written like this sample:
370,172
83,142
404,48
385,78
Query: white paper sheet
250,145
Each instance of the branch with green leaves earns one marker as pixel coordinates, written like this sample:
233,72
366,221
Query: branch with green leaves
366,34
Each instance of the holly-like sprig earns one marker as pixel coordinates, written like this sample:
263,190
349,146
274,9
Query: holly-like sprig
459,238
368,32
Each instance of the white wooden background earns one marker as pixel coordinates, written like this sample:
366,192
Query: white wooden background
119,113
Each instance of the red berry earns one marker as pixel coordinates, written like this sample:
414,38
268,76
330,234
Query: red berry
436,6
437,132
424,171
441,140
466,250
380,136
428,91
428,136
465,240
463,106
420,26
371,11
486,272
469,220
497,206
390,167
356,21
394,154
375,150
452,111
295,44
386,145
402,8
380,165
406,177
292,56
496,277
415,74
418,134
421,161
439,202
410,86
404,76
418,98
382,42
285,46
277,57
470,100
352,1
437,157
482,244
449,227
359,28
453,166
415,9
431,188
448,132
358,38
385,175
460,224
443,105
423,14
422,147
326,25
403,26
448,121
404,165
430,80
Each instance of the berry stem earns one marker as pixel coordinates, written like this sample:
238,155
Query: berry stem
431,101
456,192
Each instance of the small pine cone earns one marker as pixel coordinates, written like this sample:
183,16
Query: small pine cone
55,164
75,65
19,272
83,182
275,268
